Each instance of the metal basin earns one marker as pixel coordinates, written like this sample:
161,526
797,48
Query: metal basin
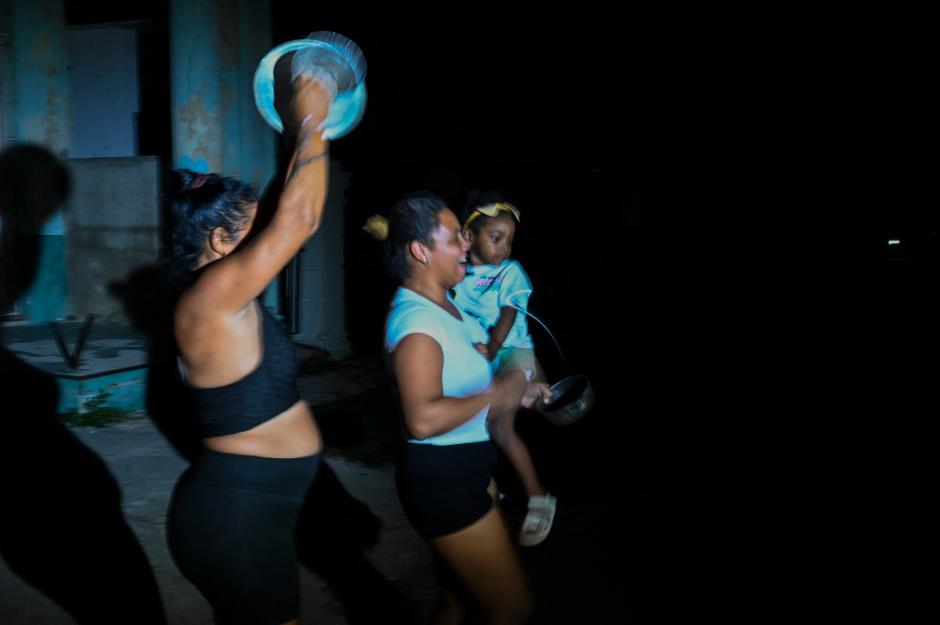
572,398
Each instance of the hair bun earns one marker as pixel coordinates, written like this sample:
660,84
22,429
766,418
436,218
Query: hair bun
377,226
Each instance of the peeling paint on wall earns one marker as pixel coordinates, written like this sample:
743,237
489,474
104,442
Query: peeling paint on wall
215,124
40,69
198,132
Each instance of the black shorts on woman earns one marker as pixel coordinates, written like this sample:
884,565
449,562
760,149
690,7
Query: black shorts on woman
231,532
443,488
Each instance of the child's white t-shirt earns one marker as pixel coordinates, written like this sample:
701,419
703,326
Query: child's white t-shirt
487,288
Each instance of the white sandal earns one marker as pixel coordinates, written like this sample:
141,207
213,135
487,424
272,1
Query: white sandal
538,520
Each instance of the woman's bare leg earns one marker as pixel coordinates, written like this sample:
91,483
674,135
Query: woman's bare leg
448,611
483,557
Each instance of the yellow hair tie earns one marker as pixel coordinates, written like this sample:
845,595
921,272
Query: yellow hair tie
377,226
492,210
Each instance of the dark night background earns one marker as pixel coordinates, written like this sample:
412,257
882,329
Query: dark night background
705,201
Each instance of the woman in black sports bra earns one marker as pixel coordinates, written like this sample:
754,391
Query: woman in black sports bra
231,519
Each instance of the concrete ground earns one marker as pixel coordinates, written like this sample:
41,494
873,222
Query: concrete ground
146,467
648,529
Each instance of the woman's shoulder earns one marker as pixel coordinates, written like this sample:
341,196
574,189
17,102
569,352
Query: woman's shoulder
408,315
195,323
410,309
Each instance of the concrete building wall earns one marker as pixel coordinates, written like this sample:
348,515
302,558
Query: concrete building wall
104,90
113,227
322,291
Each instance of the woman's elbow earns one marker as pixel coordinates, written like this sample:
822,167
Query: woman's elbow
309,216
420,432
420,429
306,222
304,214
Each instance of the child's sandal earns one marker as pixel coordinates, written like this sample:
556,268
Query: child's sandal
538,520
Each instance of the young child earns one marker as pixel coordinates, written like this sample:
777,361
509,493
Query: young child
496,292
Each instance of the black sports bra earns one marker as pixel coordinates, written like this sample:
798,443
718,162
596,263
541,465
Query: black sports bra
266,392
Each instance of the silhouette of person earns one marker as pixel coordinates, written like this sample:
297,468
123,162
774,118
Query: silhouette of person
62,529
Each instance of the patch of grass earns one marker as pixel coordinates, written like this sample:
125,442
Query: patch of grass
96,414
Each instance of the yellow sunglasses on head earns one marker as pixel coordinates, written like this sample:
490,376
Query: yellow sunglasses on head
492,210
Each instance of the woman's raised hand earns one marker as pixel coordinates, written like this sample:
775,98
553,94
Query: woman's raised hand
310,102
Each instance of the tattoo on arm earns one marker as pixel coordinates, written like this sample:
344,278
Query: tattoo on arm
304,141
299,165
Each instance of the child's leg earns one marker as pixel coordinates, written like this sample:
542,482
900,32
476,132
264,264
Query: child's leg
502,427
541,505
503,433
540,373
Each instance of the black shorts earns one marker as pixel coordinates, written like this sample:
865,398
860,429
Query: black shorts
230,529
442,488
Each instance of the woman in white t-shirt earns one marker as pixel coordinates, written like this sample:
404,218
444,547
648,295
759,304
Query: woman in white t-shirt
444,477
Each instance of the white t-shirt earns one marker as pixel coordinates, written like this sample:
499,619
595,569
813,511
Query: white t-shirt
465,371
487,288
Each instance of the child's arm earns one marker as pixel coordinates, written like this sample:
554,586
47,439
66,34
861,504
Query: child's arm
499,332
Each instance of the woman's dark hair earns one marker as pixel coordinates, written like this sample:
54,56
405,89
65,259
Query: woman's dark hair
413,218
194,206
476,199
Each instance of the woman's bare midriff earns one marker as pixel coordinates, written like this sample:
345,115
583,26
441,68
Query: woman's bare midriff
291,434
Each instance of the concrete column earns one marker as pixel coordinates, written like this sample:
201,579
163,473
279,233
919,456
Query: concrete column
40,97
196,85
256,159
215,46
257,139
40,69
322,277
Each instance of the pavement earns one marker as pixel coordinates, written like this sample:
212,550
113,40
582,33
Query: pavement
106,347
645,532
146,468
